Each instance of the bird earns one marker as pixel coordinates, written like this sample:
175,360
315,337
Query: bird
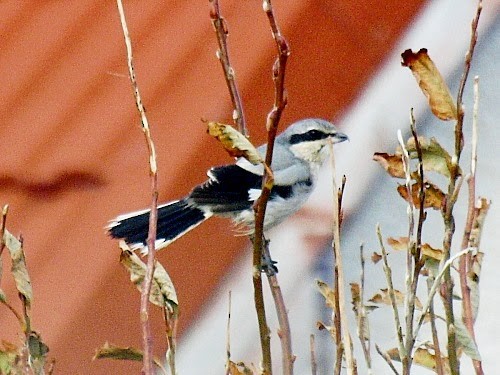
231,190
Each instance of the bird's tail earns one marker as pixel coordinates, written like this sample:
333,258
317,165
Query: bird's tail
174,220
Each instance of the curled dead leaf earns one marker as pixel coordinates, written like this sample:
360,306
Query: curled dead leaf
392,163
431,83
433,196
235,143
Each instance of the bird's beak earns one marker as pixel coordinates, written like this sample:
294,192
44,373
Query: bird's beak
340,137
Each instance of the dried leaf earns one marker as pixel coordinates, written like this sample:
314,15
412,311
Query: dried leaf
433,198
355,297
235,143
110,351
480,211
431,83
322,326
359,312
38,352
434,157
328,293
383,297
465,340
393,164
399,244
162,289
19,270
376,257
233,368
430,252
473,277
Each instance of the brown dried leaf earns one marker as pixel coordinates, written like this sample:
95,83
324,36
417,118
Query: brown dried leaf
384,298
376,257
399,244
431,252
392,163
110,351
434,197
355,297
235,143
328,293
233,368
162,289
431,83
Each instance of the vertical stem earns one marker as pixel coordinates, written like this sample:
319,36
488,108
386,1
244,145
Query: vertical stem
146,287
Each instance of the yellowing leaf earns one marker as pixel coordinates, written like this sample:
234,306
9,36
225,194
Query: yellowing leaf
433,198
393,164
434,157
162,289
235,143
431,83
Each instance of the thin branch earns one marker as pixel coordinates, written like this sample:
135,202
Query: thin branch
340,309
435,337
146,289
5,211
273,119
314,363
392,296
435,287
284,333
449,220
387,359
221,31
409,297
465,261
363,324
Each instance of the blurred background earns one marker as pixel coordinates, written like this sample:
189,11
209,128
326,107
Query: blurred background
74,156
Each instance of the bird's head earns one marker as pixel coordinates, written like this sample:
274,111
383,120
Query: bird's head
307,139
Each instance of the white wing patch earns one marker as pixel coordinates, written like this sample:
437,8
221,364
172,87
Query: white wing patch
254,194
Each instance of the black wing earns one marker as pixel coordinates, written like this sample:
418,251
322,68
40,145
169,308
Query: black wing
228,189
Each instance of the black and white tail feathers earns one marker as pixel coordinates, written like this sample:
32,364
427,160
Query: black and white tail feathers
174,219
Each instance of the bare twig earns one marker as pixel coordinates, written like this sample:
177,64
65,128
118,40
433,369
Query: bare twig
363,325
435,286
284,331
146,328
5,211
409,297
314,363
221,31
340,312
465,262
387,359
273,119
448,218
435,337
388,275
